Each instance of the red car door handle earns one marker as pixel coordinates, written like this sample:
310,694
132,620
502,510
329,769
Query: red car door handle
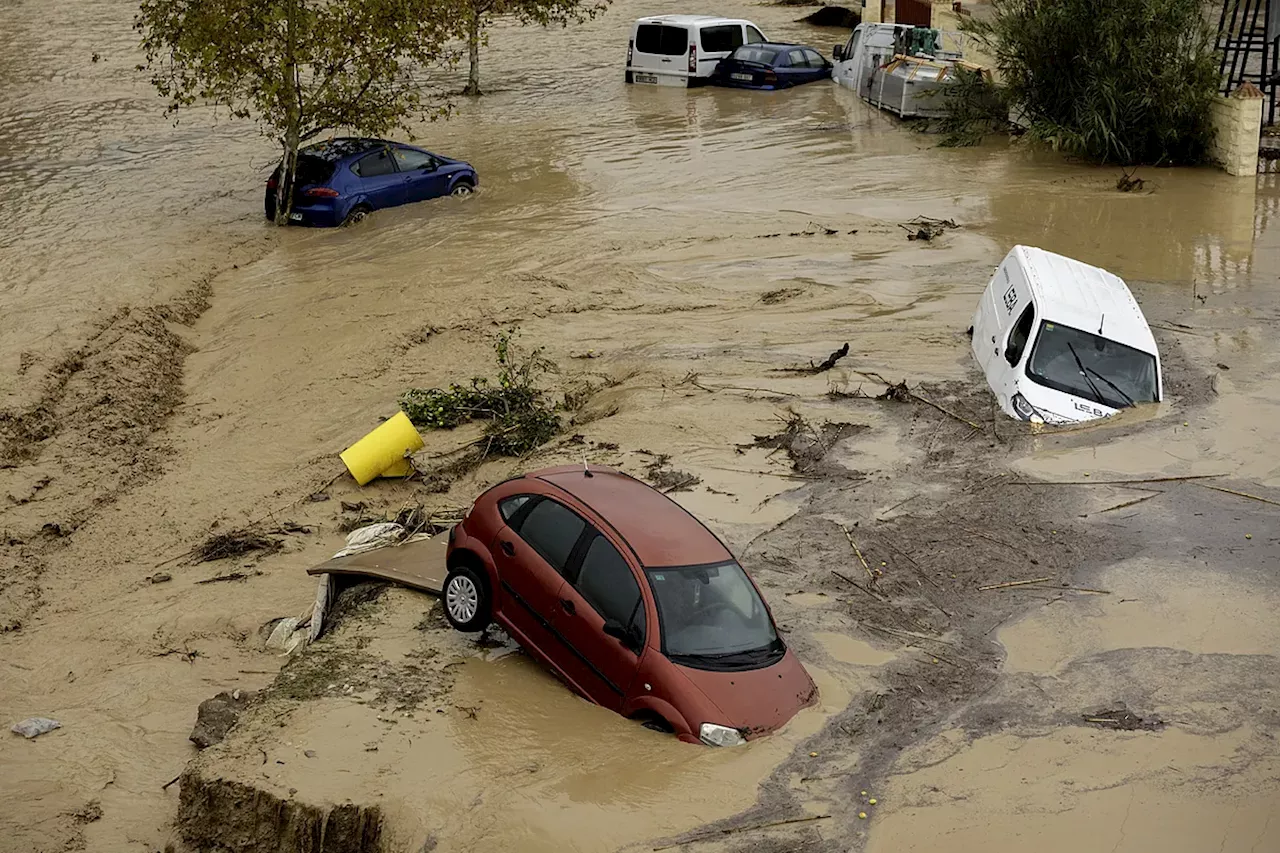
568,606
508,548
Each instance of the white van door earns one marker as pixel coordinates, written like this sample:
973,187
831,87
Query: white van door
716,41
1006,342
870,46
846,60
1013,354
659,55
986,319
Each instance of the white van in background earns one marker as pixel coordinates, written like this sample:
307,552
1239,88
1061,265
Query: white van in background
683,50
1061,341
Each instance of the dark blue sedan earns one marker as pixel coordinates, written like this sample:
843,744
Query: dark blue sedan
771,66
342,180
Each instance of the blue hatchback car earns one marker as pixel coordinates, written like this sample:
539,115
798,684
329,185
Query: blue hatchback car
771,66
342,180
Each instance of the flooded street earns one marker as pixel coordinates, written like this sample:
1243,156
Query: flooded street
170,362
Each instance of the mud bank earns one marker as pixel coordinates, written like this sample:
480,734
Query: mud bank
231,816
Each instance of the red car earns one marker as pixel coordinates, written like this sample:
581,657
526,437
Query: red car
629,599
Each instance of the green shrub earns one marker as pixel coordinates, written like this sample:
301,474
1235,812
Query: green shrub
1114,81
519,416
975,106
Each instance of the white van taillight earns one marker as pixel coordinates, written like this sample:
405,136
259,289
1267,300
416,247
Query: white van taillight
693,59
631,44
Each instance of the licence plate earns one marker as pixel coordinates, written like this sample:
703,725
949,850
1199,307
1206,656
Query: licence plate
296,217
745,78
646,78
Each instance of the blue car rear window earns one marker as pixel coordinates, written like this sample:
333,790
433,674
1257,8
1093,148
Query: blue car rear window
762,55
313,170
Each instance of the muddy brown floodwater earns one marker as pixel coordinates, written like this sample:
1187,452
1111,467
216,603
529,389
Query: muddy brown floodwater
171,366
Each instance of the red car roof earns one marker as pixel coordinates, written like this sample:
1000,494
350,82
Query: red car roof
659,530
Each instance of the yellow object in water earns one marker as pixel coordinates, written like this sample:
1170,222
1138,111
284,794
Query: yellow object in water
383,450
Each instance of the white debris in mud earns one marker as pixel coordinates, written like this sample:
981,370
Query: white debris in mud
34,727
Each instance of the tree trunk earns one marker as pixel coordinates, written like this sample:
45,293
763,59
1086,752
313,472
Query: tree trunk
473,45
293,119
288,171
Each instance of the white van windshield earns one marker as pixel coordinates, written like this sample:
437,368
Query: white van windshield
712,615
1092,367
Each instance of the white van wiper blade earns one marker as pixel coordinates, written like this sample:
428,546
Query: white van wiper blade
1117,388
1084,371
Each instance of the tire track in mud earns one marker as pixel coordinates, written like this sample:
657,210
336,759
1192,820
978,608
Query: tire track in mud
90,437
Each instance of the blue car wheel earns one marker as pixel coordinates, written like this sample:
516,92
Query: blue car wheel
357,214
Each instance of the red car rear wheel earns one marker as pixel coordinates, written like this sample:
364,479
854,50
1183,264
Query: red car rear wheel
467,603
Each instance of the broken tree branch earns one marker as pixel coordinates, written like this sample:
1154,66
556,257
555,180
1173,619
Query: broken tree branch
831,359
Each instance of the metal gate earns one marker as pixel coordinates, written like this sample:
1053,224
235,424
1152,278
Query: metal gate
1249,41
918,13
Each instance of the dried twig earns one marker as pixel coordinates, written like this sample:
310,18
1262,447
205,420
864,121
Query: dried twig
1008,584
1113,482
946,412
1154,492
1240,494
708,836
991,538
1179,331
901,633
232,576
168,784
856,550
851,582
899,503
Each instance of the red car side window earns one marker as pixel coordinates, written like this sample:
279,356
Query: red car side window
552,530
606,582
510,508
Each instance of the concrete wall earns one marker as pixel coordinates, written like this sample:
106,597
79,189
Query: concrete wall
1237,123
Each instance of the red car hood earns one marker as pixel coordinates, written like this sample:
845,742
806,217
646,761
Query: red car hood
757,701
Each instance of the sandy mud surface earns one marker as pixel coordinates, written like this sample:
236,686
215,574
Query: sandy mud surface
171,368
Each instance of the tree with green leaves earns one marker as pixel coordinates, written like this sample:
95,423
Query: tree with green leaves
300,67
1124,82
479,15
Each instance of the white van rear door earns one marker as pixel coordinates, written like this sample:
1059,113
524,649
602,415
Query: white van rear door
660,53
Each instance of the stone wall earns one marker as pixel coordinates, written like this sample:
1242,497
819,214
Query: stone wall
1237,123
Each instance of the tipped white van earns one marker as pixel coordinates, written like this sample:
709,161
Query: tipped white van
1061,341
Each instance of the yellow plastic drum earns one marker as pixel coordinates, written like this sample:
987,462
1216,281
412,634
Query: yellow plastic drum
383,450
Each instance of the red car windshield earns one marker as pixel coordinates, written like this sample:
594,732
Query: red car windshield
712,617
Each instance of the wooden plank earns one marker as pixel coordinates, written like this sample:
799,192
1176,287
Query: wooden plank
418,565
